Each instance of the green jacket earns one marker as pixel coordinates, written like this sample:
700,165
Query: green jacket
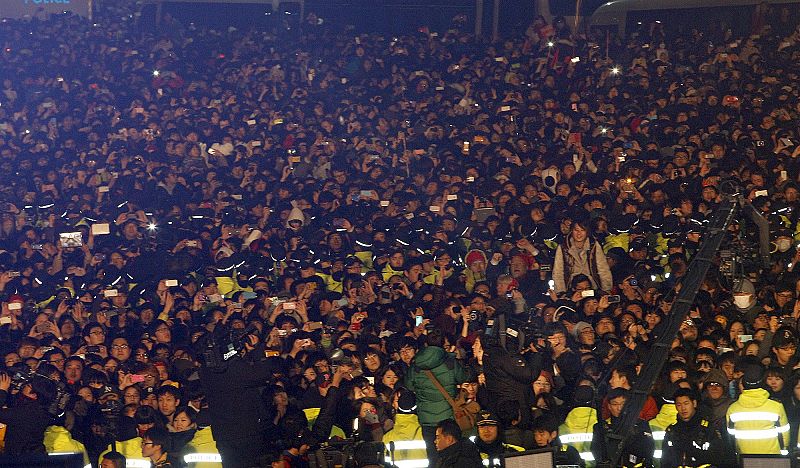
432,407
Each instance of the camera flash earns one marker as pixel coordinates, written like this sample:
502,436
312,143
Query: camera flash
615,70
550,44
156,72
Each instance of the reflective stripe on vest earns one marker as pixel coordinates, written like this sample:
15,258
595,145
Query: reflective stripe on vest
408,445
659,435
575,437
754,416
496,462
755,434
418,463
402,446
587,456
202,458
657,453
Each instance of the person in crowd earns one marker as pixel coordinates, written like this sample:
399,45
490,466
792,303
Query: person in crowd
638,449
693,439
455,450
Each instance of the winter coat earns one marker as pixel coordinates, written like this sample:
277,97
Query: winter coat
407,436
509,377
58,439
462,454
755,413
432,407
589,260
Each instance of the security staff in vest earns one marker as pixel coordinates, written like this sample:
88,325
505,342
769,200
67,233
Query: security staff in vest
545,434
638,450
490,440
693,441
234,401
758,424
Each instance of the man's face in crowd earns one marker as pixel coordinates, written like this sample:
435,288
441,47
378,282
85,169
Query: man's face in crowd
442,440
167,404
149,449
785,352
618,381
120,349
616,405
518,266
96,336
543,437
686,407
488,432
715,391
73,370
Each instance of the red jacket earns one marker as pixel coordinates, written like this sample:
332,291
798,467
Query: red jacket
649,410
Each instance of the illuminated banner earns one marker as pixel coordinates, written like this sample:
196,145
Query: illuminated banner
40,8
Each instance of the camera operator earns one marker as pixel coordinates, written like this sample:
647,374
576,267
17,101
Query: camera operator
506,376
28,418
234,397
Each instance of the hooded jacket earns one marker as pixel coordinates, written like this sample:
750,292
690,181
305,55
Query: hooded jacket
407,436
203,443
764,420
57,439
577,429
667,416
432,407
509,377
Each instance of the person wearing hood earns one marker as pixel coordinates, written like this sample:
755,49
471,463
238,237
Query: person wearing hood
745,300
490,440
577,427
666,416
433,362
693,440
759,425
406,433
715,401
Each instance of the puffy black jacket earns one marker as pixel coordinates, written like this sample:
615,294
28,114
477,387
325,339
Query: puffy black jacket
26,422
462,454
234,396
509,377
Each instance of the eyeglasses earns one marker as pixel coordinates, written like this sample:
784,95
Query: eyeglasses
57,361
97,332
147,443
120,346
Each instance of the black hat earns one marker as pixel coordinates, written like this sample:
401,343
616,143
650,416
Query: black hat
783,337
753,376
583,395
407,403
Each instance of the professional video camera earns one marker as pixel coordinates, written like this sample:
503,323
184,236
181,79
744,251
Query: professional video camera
223,345
23,375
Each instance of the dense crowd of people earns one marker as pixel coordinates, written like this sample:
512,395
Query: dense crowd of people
409,240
